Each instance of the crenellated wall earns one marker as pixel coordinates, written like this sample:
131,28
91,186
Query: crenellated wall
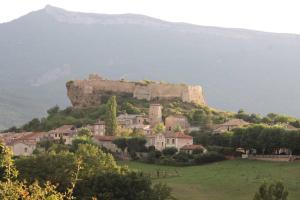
88,92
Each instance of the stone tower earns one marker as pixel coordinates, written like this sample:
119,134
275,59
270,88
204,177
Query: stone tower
155,114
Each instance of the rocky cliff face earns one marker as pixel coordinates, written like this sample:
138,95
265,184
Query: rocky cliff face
89,92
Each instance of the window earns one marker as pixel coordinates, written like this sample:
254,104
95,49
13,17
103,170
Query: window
25,149
170,128
173,141
168,141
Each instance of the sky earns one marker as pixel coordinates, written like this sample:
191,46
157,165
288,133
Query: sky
266,15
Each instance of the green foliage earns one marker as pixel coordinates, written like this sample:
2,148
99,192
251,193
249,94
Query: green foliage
153,156
85,132
133,144
270,118
8,170
177,128
130,108
209,139
11,189
61,167
208,157
111,116
22,191
159,128
274,191
95,161
56,168
169,151
80,140
53,110
266,139
182,157
112,186
121,143
136,144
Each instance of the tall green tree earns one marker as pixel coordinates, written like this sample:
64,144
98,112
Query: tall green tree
111,116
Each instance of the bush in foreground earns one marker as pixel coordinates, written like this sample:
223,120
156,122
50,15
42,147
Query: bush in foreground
208,157
274,191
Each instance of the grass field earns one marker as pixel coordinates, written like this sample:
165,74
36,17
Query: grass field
227,180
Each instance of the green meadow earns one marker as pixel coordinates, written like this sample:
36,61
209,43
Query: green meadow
226,180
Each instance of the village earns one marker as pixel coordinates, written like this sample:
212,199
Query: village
175,132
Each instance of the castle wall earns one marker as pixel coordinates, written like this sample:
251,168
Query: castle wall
88,92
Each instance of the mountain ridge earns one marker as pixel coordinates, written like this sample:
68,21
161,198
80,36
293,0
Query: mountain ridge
238,68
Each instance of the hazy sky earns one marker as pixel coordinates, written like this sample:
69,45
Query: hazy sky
266,15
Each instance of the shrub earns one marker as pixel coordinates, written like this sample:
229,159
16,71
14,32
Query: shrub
198,151
151,148
227,151
208,157
167,161
274,191
182,157
153,156
169,151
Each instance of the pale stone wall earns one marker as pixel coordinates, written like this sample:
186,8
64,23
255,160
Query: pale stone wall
180,142
21,149
173,121
88,92
155,114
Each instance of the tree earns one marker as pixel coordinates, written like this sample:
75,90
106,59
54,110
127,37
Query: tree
85,132
159,128
33,125
11,189
115,186
111,116
8,170
57,168
291,140
95,161
136,144
22,191
169,151
121,143
274,191
177,128
53,110
81,140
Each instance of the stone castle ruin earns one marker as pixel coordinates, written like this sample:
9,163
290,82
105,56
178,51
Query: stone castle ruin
89,92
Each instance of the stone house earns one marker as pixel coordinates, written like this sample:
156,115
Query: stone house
145,129
229,125
26,143
66,132
97,128
172,121
161,141
106,142
128,120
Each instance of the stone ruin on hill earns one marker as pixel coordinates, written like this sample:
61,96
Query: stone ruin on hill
89,92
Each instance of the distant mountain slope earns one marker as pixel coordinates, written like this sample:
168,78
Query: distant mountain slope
237,68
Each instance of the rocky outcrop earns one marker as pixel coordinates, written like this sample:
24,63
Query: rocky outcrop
89,92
